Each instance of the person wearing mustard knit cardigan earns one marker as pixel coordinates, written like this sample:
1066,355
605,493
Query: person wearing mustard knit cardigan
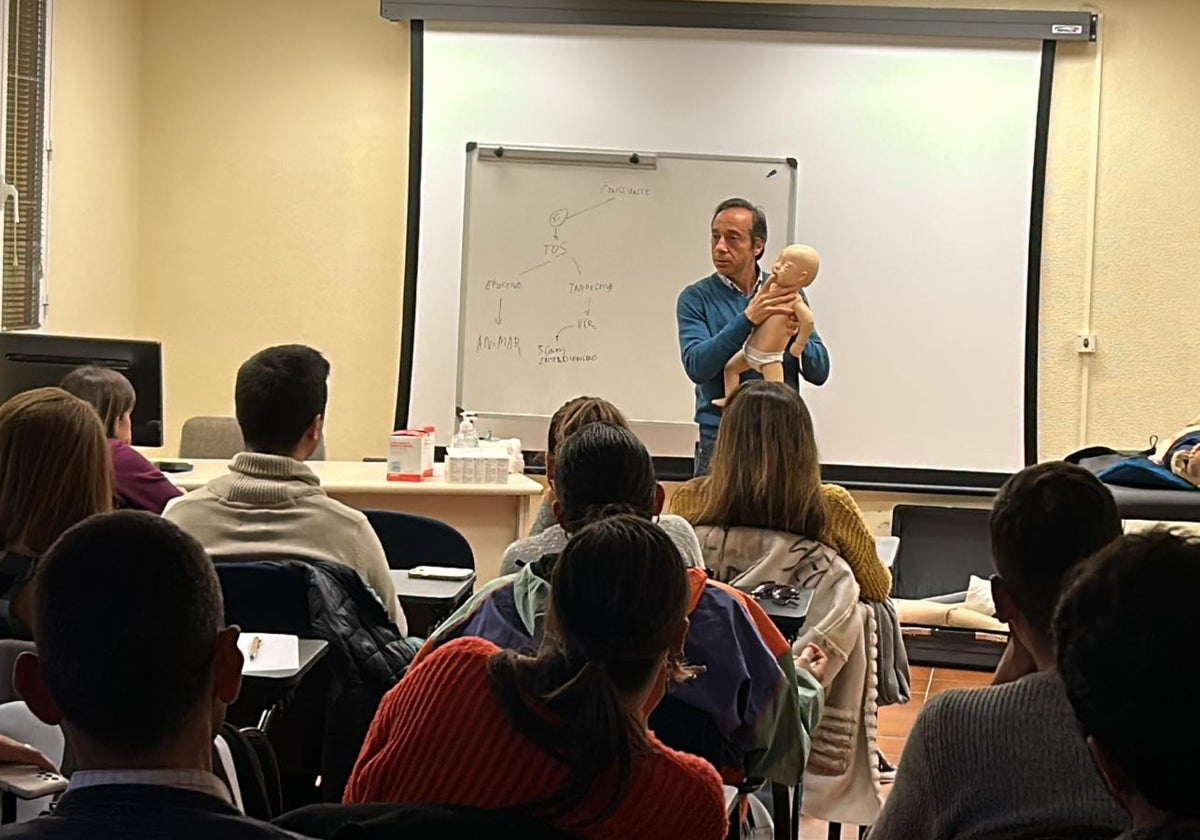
841,528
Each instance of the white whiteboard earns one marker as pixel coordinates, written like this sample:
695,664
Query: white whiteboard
571,272
915,181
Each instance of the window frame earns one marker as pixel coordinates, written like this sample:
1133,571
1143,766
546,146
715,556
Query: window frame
36,270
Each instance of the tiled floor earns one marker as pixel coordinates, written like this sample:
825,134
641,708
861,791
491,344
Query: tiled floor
895,722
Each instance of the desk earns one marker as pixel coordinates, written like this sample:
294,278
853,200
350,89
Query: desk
490,516
311,652
263,691
789,617
427,603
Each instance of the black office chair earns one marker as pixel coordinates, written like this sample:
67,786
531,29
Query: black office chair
410,540
259,597
386,821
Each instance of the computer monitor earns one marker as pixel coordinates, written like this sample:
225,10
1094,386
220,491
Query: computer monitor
31,360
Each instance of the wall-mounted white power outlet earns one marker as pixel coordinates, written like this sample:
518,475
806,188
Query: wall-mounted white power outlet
1085,343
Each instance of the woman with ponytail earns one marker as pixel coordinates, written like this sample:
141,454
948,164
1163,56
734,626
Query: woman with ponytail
751,713
560,734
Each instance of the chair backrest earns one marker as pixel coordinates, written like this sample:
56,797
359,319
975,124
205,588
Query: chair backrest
220,437
410,540
210,437
940,548
266,597
386,821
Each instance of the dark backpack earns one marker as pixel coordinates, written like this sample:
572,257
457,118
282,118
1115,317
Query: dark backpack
254,769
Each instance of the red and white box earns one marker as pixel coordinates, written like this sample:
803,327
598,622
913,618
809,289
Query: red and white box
427,452
406,455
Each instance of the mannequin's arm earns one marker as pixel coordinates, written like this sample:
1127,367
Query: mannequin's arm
812,360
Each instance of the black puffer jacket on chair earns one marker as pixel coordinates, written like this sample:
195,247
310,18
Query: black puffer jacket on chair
335,702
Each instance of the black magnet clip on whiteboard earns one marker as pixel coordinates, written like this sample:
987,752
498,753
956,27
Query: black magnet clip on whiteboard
498,151
634,159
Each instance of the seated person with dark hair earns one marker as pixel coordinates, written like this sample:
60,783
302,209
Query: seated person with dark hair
271,505
559,734
137,483
984,762
760,707
136,665
1125,632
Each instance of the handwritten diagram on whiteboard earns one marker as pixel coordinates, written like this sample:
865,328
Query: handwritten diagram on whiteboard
571,270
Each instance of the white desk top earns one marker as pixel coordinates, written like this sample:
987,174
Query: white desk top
368,477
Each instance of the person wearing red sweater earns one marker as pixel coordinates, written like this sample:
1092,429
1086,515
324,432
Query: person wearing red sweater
137,483
561,735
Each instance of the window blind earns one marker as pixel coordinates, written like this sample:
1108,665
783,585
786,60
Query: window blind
25,163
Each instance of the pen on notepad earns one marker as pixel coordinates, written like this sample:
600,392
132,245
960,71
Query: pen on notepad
255,644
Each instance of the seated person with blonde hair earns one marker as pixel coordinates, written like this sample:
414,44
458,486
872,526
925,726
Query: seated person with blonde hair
54,473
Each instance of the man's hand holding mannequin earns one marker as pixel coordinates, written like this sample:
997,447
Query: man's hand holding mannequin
771,300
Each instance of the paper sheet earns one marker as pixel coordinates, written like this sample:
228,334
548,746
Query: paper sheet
275,652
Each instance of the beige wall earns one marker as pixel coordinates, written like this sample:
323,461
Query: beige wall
95,124
272,151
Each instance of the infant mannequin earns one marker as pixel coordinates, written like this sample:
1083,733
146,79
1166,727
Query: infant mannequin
796,268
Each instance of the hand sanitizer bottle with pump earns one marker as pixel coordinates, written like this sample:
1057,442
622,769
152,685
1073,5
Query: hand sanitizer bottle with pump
467,437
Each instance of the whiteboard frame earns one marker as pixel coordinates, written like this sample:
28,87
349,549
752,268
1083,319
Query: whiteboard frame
569,156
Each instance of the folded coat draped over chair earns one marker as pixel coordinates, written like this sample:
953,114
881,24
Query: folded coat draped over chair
367,652
841,781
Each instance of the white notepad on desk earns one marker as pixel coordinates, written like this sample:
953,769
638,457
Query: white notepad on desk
269,652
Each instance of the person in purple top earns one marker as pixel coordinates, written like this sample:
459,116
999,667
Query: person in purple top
137,483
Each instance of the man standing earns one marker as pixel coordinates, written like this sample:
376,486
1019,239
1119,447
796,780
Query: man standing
717,314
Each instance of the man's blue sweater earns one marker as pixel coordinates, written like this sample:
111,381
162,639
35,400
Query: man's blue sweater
712,327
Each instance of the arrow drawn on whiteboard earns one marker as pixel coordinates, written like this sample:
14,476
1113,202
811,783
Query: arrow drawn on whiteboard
593,207
500,312
563,330
535,268
578,270
587,311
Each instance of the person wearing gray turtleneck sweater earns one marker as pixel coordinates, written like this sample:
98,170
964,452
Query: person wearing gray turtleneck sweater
270,504
984,762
